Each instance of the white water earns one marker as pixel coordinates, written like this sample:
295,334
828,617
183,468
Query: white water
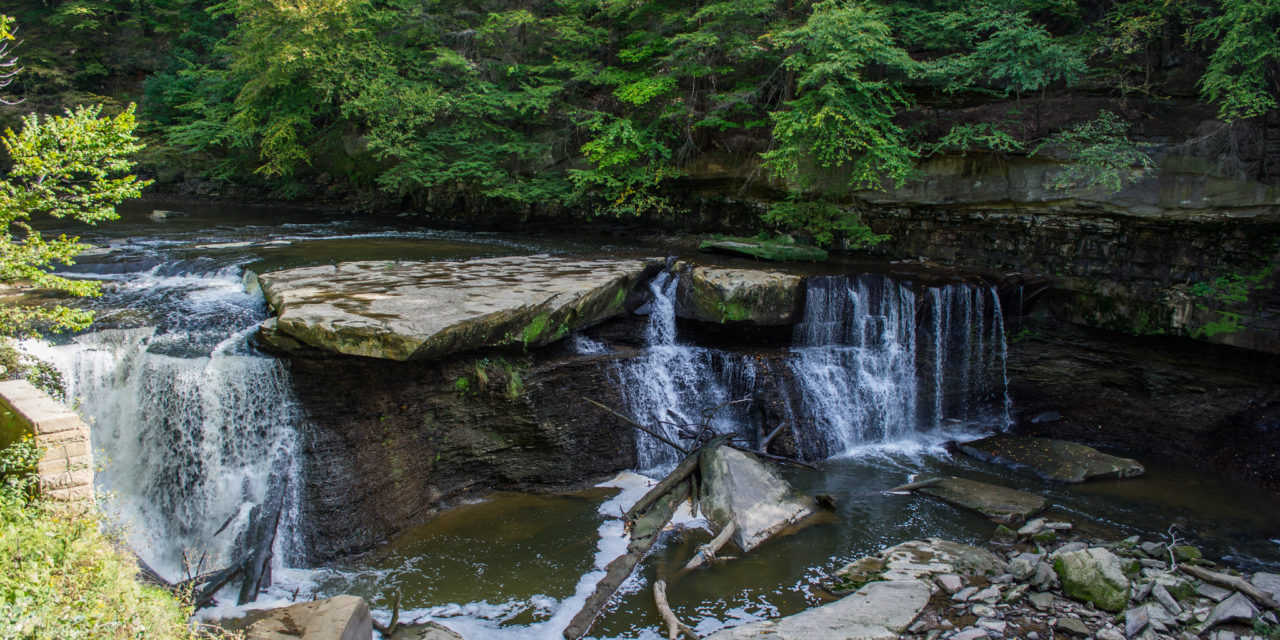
867,372
673,383
188,423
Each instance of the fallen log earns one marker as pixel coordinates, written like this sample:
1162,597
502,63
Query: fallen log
645,530
707,552
259,538
682,471
912,486
1230,582
675,628
661,438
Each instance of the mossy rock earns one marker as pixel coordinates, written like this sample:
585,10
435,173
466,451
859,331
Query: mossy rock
765,250
1186,553
1094,575
752,296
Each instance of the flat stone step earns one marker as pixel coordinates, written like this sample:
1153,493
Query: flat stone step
1052,459
996,503
877,611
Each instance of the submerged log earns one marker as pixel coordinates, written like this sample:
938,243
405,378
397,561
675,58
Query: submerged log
259,538
675,628
645,529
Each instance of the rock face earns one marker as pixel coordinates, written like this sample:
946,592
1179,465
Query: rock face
390,444
752,494
877,611
418,310
1052,459
996,503
337,618
1093,575
758,297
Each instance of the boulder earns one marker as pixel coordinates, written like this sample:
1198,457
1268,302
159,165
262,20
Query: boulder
419,310
424,631
738,487
336,618
1052,459
920,559
765,250
1093,575
880,610
751,296
996,503
1236,608
1268,583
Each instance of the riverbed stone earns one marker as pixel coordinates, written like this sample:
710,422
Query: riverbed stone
996,503
1267,583
751,296
1093,575
424,631
1236,608
877,611
1052,459
738,487
337,618
421,310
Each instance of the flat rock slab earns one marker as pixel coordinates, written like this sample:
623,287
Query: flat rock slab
417,310
753,296
337,618
740,488
1052,459
921,559
996,503
765,250
877,611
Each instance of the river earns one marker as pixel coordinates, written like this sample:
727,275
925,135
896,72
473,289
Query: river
190,420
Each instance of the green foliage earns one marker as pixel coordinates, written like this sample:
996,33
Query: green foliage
1233,288
1243,75
843,115
15,364
981,136
17,473
821,220
64,166
1102,155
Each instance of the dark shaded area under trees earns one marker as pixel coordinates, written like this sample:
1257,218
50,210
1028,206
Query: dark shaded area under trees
600,106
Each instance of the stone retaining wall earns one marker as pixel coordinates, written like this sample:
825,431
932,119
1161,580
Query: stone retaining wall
66,470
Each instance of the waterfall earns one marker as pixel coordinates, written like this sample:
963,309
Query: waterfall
855,363
186,431
673,383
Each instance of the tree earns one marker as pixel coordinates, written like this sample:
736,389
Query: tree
1243,76
71,166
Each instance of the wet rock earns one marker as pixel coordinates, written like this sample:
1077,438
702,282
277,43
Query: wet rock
773,251
740,488
1153,549
1045,577
998,504
1108,634
925,558
421,310
337,618
1213,592
880,610
424,631
1166,599
964,594
1041,600
1135,620
1068,548
1032,528
950,583
1267,583
1093,575
971,634
1185,553
752,296
1052,459
1058,526
1023,566
988,595
1072,626
1236,608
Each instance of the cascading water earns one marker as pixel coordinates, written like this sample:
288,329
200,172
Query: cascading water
673,383
855,363
874,361
188,422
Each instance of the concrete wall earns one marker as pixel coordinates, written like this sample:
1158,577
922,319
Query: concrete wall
66,470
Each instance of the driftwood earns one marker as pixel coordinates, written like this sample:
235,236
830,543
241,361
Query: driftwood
769,456
912,486
675,628
259,538
1230,582
661,438
684,470
707,552
390,628
645,530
